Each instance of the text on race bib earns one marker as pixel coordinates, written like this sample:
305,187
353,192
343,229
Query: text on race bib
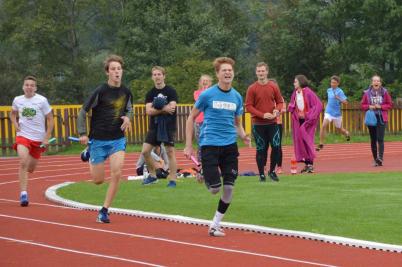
224,105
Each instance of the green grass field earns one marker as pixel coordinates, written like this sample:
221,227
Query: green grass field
360,205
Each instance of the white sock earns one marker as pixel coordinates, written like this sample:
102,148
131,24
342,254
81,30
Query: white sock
217,219
24,193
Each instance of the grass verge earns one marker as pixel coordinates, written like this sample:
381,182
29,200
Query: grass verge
356,205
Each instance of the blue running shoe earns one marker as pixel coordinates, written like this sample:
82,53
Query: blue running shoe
171,184
24,200
150,180
103,217
85,155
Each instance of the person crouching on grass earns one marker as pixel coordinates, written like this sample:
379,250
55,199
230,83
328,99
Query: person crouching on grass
223,107
32,110
111,105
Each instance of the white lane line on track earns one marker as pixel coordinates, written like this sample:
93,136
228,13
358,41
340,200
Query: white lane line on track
77,251
244,252
40,204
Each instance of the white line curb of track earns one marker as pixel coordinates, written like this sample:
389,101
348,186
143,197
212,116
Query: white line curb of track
51,194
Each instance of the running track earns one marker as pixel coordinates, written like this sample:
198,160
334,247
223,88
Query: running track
45,234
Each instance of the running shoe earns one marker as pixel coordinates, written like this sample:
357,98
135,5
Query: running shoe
85,155
262,178
273,176
150,180
171,184
308,169
216,232
319,147
24,200
103,217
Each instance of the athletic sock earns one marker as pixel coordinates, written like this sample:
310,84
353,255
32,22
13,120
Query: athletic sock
222,208
217,219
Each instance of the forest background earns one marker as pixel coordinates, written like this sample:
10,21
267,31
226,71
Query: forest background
64,42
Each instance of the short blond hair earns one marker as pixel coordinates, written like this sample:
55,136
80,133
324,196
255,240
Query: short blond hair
262,64
222,60
112,58
162,69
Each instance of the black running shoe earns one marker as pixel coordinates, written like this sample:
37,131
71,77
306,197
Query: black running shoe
262,178
308,169
319,147
273,176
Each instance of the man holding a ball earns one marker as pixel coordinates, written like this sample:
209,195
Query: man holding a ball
160,106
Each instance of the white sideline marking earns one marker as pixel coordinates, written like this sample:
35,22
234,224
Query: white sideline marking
77,251
168,240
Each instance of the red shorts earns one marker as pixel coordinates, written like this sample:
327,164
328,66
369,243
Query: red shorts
33,146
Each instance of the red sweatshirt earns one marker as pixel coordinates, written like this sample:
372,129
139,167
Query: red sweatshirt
263,98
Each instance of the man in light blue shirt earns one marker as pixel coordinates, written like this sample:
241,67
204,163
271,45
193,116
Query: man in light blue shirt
333,113
222,106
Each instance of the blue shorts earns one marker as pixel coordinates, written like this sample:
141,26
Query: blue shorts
100,150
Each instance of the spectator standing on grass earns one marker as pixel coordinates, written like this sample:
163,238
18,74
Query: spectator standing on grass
264,101
160,106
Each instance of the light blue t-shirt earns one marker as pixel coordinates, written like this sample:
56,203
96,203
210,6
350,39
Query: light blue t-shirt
220,109
333,107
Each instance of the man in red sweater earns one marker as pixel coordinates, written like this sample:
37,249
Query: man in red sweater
264,101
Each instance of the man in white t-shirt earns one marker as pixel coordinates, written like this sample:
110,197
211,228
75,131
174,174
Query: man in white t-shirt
32,109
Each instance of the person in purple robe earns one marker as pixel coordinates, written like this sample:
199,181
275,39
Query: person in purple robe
305,108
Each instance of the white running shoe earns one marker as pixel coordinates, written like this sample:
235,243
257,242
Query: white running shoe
216,231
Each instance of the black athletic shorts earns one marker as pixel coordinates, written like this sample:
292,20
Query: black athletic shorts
223,158
151,138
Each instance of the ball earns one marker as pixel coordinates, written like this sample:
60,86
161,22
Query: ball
159,103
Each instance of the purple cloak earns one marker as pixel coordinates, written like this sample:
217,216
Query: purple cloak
303,135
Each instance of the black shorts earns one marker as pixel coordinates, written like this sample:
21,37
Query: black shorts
224,158
151,138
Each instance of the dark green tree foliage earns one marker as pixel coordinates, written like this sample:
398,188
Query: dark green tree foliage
184,36
64,42
55,41
319,38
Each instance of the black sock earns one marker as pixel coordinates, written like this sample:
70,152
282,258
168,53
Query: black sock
222,206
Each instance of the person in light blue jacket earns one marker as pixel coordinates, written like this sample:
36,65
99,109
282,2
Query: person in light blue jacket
333,112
